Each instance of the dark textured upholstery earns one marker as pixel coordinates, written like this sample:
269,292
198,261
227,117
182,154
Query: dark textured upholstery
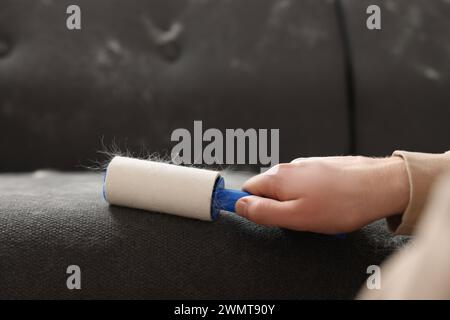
129,74
140,69
401,76
51,220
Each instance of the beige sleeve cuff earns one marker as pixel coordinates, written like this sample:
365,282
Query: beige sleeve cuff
423,169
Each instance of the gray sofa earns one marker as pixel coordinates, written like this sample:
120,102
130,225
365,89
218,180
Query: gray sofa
140,69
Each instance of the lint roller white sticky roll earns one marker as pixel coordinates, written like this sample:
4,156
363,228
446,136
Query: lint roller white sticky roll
161,187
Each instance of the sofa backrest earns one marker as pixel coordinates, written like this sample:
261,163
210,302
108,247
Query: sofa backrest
137,70
401,76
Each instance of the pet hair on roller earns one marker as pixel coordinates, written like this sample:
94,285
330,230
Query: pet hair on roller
162,187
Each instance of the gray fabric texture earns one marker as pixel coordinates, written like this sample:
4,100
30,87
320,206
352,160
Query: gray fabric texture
51,220
232,64
401,76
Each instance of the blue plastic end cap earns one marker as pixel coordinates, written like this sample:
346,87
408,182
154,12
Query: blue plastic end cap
215,206
104,185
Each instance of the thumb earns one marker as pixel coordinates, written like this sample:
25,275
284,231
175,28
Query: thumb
266,211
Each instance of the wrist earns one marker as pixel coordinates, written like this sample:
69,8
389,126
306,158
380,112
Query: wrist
393,187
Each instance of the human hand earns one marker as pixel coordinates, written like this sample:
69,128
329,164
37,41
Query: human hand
328,195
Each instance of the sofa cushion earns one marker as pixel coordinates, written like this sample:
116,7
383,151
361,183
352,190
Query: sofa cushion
51,220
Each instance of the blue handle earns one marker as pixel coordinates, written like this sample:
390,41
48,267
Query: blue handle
227,198
224,199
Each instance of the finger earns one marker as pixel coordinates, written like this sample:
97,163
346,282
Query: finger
266,184
262,185
267,211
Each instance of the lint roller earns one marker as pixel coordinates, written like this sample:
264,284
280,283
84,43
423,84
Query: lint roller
162,187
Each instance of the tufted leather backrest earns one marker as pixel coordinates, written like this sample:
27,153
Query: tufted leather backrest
402,76
137,70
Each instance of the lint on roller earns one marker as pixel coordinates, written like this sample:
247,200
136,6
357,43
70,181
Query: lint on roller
162,187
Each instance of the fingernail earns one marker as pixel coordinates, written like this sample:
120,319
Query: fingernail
241,207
